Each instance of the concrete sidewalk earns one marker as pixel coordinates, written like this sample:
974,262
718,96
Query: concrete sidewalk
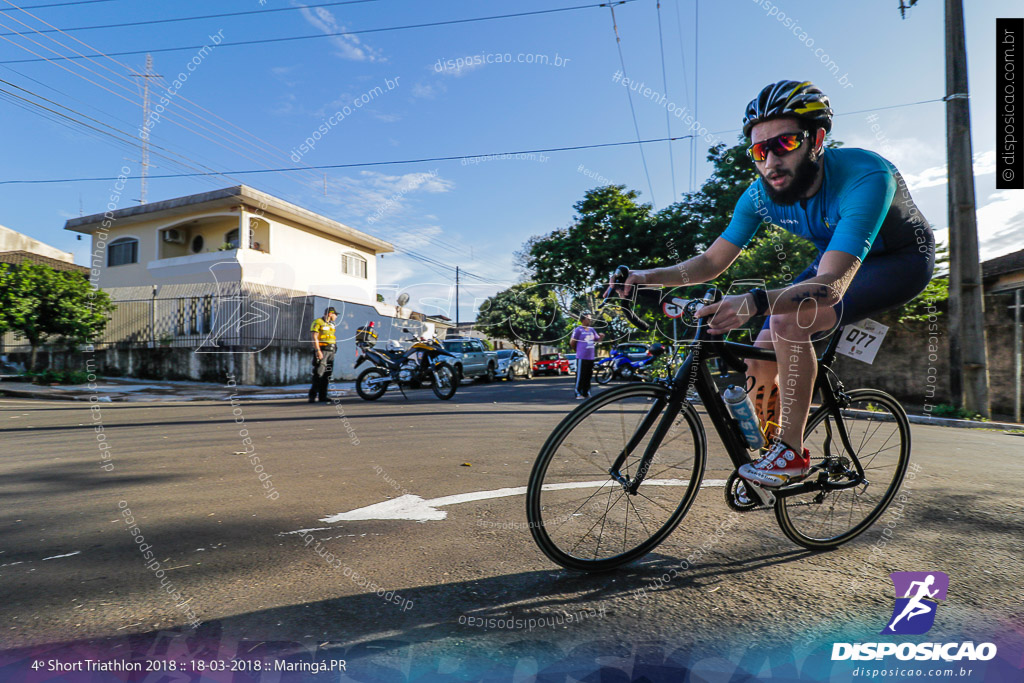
110,389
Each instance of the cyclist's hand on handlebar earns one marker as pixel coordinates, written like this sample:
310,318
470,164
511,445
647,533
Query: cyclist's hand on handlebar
624,289
729,313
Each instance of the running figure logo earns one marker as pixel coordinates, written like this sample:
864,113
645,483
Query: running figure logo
917,597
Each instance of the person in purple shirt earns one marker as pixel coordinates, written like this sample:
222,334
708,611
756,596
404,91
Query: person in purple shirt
584,342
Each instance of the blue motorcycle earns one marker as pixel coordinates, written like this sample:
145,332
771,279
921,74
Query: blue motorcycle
619,365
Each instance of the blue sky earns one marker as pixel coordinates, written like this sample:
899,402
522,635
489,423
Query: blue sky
476,215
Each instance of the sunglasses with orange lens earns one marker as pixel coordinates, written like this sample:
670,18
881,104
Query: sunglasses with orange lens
778,145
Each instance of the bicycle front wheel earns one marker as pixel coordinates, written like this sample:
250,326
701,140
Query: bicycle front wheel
583,518
871,435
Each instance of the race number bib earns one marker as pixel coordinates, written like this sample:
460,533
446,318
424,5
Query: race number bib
861,341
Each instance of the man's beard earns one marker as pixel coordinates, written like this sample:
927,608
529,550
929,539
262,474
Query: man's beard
803,178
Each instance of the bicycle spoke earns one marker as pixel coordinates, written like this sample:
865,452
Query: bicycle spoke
607,523
844,513
654,502
639,518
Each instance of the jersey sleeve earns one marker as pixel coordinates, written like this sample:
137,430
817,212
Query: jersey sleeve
862,209
745,219
317,324
576,332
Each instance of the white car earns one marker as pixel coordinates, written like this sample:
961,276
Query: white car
571,357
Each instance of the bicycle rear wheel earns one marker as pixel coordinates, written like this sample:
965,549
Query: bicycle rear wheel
878,443
583,518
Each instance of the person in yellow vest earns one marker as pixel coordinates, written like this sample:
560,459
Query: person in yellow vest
324,347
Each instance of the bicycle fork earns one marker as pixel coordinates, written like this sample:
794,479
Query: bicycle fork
658,408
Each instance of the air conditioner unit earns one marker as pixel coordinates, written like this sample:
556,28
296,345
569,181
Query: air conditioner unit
174,236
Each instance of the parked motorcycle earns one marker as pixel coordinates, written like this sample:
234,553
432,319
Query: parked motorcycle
619,365
424,361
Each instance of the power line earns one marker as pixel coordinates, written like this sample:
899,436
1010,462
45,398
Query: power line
686,85
851,113
629,98
664,86
196,18
215,140
66,4
126,140
366,164
335,34
397,162
696,92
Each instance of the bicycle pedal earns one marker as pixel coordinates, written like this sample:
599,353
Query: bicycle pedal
737,495
766,497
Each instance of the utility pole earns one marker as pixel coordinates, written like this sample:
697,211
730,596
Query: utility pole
143,133
456,298
968,366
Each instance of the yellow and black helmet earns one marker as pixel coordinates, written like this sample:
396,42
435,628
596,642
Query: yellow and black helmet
801,99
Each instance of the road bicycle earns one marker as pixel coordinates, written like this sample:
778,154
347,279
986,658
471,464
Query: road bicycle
620,472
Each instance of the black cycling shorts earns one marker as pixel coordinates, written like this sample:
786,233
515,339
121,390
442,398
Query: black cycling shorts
883,282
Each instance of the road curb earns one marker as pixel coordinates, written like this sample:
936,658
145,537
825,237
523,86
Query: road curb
130,398
14,393
962,424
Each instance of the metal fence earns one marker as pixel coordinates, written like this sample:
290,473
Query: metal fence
201,322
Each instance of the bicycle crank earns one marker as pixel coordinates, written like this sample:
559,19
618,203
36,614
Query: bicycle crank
741,496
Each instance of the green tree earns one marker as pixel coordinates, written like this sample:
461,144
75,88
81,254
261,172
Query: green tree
936,291
610,228
39,304
524,314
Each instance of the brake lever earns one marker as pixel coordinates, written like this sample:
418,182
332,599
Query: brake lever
617,279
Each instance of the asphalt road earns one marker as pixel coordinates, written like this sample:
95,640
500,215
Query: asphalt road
70,571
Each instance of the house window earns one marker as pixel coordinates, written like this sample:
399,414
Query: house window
232,238
123,251
353,264
206,315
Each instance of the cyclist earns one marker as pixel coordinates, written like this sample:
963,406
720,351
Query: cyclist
876,252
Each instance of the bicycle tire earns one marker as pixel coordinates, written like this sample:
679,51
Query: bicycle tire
796,522
548,501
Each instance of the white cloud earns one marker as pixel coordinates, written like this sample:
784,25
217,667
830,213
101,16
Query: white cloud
349,47
984,163
461,71
1001,224
427,91
380,195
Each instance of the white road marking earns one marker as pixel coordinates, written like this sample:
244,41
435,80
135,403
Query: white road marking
54,557
414,508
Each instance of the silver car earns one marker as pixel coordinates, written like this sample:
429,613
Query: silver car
513,363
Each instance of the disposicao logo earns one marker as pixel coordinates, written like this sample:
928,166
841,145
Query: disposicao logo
917,597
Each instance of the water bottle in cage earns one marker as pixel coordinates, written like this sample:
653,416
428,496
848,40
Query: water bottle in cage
742,410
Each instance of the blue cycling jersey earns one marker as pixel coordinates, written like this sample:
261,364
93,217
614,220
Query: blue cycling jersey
862,207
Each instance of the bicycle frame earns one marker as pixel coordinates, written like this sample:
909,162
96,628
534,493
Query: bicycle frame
694,372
